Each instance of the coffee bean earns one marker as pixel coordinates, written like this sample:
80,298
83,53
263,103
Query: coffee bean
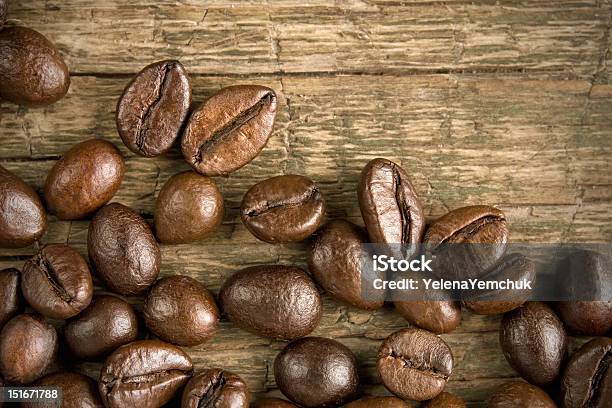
189,208
78,391
587,380
108,322
275,301
57,282
228,130
517,394
316,372
438,316
180,310
32,70
123,250
10,295
143,374
216,388
84,179
514,267
335,262
445,400
22,216
414,364
27,348
534,342
378,402
274,403
285,208
153,106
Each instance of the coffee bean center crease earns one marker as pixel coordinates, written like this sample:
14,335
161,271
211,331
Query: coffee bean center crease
162,84
312,194
53,278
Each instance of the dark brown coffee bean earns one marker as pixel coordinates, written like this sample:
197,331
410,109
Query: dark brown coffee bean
378,402
27,347
32,70
534,342
189,208
228,130
316,372
438,316
153,107
10,295
84,179
286,208
445,400
517,394
415,364
180,310
587,380
275,301
335,262
22,216
108,322
57,282
274,403
123,249
216,388
143,374
78,391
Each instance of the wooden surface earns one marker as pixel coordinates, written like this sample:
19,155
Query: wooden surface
505,103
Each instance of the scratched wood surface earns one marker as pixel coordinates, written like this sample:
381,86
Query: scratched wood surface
500,102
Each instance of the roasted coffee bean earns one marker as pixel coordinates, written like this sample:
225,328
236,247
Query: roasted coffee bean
180,310
10,295
514,267
534,342
27,347
445,400
275,301
517,394
414,364
587,380
335,262
143,374
78,391
228,130
189,208
153,107
316,372
216,388
32,70
84,179
123,249
438,316
389,205
274,403
378,402
285,208
57,282
108,322
22,216
467,242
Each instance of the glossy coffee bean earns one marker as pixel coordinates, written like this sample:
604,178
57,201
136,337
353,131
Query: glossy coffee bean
228,130
123,249
143,374
57,282
445,400
378,402
22,216
275,301
286,208
534,342
316,372
32,70
517,394
189,208
78,391
439,317
84,179
274,403
10,295
179,310
151,111
216,388
414,364
108,322
587,380
514,267
335,263
27,347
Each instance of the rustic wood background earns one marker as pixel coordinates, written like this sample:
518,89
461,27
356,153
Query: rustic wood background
499,102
